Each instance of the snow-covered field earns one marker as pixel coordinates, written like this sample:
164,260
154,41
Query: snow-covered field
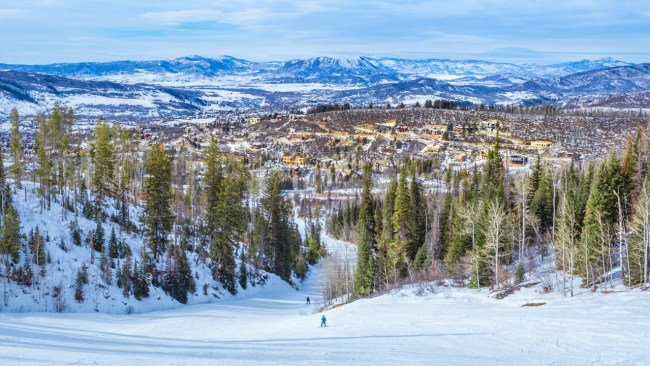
450,327
418,325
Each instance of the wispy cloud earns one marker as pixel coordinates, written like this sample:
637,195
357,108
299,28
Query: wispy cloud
13,13
183,16
32,30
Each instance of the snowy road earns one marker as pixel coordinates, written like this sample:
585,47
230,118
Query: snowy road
442,327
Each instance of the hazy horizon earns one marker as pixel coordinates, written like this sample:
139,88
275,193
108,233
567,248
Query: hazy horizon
328,56
66,31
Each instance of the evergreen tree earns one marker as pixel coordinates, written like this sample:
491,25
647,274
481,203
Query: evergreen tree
9,242
419,213
366,242
98,237
157,217
44,157
80,282
113,246
225,214
16,148
404,240
140,282
542,203
178,280
277,211
594,227
450,223
384,262
5,192
243,272
102,154
535,179
105,268
79,287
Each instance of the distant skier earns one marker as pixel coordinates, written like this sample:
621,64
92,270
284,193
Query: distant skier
323,321
308,302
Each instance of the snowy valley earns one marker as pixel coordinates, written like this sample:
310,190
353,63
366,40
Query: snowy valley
195,85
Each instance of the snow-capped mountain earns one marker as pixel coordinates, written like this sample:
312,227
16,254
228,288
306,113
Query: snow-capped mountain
327,70
187,85
569,68
191,65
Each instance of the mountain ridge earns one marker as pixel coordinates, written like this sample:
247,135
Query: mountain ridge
195,84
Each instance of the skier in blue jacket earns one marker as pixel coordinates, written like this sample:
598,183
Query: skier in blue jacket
323,321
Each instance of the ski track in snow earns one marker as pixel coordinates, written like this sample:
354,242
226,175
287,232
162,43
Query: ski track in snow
275,326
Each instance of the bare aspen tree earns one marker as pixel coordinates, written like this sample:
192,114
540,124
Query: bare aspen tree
640,243
496,231
565,239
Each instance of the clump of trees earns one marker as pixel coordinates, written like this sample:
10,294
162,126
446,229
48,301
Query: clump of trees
491,228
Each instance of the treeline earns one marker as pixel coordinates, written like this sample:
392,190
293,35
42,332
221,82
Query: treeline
322,108
203,211
526,109
493,228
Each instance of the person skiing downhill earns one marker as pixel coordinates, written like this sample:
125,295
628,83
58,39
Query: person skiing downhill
323,321
308,302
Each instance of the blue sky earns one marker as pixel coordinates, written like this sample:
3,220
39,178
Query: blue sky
539,31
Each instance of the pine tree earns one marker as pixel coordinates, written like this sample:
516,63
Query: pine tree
404,239
535,179
157,216
98,237
82,279
102,154
630,179
243,272
542,203
45,164
419,214
9,242
366,242
384,262
16,148
225,214
593,230
5,192
113,246
277,211
449,223
140,282
178,279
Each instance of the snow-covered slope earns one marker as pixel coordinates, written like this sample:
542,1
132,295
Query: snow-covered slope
65,259
420,325
35,93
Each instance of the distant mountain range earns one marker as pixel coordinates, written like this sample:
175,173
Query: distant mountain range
189,85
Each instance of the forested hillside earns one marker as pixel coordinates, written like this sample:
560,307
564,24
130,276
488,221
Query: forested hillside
93,221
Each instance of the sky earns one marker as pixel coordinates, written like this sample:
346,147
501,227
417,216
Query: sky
520,31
